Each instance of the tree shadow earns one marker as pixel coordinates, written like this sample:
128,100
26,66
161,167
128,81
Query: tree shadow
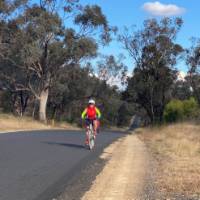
77,146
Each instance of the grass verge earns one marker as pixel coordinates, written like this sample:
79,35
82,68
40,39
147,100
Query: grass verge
11,123
176,148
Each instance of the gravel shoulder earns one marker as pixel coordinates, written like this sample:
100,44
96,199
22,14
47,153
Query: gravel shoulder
126,174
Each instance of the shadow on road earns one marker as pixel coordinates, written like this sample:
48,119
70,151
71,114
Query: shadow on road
77,146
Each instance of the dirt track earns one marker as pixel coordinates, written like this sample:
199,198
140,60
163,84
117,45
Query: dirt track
123,178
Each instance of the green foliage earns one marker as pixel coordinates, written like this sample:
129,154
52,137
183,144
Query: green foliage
125,113
193,61
190,108
182,89
155,53
70,94
37,46
177,110
109,68
174,111
91,16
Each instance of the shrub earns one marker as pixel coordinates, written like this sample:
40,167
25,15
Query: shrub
190,108
177,110
174,111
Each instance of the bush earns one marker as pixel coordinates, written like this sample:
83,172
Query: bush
177,110
174,111
190,108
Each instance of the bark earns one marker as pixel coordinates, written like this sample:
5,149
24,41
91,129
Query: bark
34,108
152,113
54,113
43,104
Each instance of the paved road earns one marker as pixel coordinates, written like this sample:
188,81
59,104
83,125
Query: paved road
38,165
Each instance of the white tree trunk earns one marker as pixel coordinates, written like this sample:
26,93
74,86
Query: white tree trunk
43,104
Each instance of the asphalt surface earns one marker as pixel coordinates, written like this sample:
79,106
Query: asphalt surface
39,165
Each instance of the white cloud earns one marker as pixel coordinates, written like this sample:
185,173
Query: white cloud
158,9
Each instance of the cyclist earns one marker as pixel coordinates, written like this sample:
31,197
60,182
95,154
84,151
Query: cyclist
91,113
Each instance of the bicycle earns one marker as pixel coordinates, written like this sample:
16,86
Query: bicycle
90,135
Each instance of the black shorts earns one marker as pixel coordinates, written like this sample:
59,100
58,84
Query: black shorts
89,121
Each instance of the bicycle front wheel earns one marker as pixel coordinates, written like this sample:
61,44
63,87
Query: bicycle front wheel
91,139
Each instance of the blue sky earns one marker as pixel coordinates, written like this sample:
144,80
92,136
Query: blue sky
130,12
122,13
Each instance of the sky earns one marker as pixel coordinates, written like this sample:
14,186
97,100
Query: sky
122,13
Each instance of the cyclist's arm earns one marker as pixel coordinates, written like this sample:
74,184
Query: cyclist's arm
98,113
83,115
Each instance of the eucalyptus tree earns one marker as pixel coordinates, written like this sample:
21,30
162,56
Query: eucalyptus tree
113,71
40,44
193,61
155,55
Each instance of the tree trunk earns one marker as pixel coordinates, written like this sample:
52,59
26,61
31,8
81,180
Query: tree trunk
43,104
23,102
54,112
34,108
152,106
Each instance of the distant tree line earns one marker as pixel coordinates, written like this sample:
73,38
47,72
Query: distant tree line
47,70
155,81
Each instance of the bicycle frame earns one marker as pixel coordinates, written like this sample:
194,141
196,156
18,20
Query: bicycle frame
90,135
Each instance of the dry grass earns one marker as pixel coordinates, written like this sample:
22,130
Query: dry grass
11,123
177,151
